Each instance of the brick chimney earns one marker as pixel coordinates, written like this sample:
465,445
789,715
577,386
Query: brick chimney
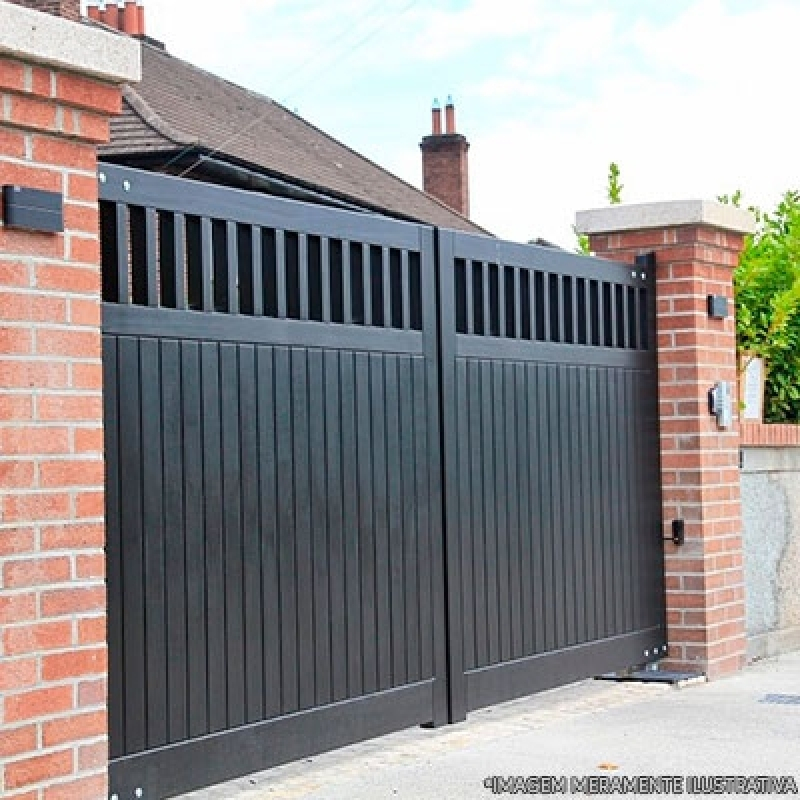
69,9
445,166
127,17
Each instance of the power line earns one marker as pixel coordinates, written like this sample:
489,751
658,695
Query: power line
338,59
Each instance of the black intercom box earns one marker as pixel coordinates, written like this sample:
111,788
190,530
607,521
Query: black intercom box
33,209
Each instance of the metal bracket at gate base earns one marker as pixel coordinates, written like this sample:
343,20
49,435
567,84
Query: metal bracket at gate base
678,537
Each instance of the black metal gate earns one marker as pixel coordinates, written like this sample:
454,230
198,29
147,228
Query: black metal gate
274,525
295,562
554,558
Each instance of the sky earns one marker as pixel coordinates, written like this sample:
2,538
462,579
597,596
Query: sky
691,98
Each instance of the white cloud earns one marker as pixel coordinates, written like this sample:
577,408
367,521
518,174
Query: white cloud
691,97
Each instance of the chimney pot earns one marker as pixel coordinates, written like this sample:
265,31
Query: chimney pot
94,13
436,114
111,15
450,115
130,18
142,28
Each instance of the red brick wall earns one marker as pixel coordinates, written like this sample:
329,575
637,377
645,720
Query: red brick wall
70,9
759,434
699,462
53,741
445,170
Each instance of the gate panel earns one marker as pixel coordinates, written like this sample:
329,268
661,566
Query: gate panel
551,458
274,529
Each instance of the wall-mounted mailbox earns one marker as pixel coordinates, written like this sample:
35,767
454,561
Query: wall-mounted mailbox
33,209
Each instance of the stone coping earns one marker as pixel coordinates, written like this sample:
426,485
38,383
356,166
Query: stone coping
56,42
641,216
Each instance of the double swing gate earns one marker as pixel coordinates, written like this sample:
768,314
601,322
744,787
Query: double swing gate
361,475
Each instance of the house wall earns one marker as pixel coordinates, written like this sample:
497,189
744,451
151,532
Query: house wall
771,523
59,82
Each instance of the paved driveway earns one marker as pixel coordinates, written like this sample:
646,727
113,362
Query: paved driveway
746,725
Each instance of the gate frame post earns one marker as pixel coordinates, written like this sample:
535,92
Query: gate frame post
697,246
60,82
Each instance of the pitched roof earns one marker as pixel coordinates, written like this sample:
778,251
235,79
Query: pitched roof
178,105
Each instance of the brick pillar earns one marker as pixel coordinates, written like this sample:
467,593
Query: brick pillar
697,247
59,82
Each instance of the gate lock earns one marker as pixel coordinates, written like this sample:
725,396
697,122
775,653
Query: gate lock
678,537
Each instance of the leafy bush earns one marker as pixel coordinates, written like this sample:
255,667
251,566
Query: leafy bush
767,292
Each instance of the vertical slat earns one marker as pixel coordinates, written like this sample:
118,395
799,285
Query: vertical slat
254,618
561,305
257,270
470,297
150,223
302,273
233,544
122,266
214,545
425,511
480,510
395,530
576,456
387,287
410,535
302,526
633,490
566,417
557,530
280,272
464,509
347,290
589,632
132,553
513,441
546,306
206,264
114,564
617,521
606,483
487,315
179,244
197,629
501,509
166,254
325,268
366,530
547,446
501,300
284,443
366,271
338,530
380,468
321,568
490,509
532,303
529,507
351,505
517,283
405,287
272,512
175,541
232,271
597,423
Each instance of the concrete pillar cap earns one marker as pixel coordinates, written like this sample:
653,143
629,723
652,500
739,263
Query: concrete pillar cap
643,216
